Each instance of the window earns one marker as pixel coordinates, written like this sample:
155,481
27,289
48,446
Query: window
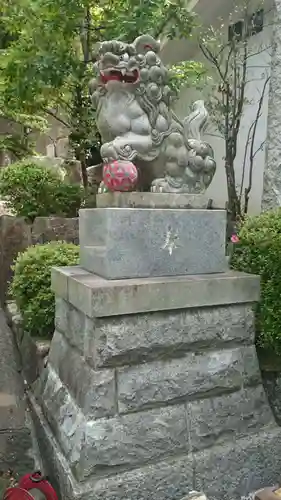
255,23
248,27
235,31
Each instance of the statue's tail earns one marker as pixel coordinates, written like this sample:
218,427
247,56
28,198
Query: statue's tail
195,123
194,126
201,153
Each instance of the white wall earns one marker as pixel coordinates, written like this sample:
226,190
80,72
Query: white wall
258,70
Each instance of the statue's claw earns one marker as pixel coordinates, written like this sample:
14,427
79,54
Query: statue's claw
160,186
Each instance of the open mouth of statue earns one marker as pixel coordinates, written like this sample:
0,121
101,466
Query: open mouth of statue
123,76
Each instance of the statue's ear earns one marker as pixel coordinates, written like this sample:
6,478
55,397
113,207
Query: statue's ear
144,43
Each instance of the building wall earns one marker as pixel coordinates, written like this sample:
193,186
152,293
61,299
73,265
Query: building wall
258,70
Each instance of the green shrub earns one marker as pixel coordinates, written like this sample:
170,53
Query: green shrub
259,252
31,285
33,190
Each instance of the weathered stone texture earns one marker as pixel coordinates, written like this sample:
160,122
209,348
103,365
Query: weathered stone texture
130,339
133,338
237,468
63,415
194,376
32,351
103,445
216,420
271,196
169,479
46,229
241,466
94,391
172,242
272,385
15,236
125,442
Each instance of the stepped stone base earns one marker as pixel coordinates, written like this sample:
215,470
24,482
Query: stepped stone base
153,389
121,243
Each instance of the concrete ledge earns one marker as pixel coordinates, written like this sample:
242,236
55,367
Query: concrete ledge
98,297
152,200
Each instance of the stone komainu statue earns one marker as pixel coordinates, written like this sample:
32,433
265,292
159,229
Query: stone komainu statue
132,97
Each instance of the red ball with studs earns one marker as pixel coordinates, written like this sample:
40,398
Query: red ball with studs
120,175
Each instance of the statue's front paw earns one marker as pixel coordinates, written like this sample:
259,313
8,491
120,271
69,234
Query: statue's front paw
159,186
108,152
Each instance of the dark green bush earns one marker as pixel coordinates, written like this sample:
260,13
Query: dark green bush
259,252
31,285
33,190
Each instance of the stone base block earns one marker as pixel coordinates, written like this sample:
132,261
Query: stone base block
254,462
118,243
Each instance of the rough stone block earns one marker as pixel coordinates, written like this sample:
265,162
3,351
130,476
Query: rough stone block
121,243
77,328
222,419
15,237
194,376
54,462
130,339
128,441
254,462
171,479
94,392
46,229
98,297
251,372
272,385
107,445
62,314
239,467
64,416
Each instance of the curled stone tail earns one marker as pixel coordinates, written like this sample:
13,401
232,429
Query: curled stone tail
195,123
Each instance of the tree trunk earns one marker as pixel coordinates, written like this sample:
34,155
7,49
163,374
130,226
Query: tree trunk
81,156
234,208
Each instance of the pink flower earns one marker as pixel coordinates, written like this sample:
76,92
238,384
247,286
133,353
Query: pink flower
234,238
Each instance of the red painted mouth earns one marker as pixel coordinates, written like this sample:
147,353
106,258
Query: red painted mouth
115,75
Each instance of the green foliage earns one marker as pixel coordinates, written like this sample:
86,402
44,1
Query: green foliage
47,66
31,285
33,190
259,252
187,74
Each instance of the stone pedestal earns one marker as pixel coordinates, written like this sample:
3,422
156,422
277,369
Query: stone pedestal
140,242
153,387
